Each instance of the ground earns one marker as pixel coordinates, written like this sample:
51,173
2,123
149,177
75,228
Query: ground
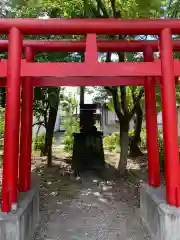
93,209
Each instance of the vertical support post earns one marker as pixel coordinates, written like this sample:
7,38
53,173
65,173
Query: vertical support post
26,129
168,92
82,91
151,126
91,54
12,120
90,58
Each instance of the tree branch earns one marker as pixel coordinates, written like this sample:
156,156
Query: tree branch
103,8
136,101
108,59
116,14
123,100
39,123
85,8
40,110
113,6
117,106
110,89
95,11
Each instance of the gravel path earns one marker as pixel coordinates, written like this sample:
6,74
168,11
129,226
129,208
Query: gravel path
89,210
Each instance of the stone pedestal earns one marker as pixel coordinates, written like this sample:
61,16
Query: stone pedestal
88,153
161,220
21,225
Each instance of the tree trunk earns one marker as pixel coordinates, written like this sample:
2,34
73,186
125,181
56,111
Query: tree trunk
45,149
136,139
124,144
3,97
50,131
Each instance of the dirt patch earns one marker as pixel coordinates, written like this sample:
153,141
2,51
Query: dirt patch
93,208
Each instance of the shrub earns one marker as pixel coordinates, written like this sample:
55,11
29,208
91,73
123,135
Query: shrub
112,142
143,145
71,126
161,149
1,132
131,133
1,128
71,122
39,142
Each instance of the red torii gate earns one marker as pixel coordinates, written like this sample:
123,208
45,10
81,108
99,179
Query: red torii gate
80,46
15,69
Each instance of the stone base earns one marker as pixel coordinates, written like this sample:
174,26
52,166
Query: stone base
22,224
88,152
161,220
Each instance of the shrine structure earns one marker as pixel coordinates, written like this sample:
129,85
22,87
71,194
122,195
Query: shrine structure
157,203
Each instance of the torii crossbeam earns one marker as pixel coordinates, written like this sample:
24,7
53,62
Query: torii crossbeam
14,69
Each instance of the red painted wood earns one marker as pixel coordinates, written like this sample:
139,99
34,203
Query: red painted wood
75,69
151,125
84,26
168,92
26,129
12,122
79,46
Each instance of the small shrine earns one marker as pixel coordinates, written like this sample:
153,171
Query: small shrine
88,153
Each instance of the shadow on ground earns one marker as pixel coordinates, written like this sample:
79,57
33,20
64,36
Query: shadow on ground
97,207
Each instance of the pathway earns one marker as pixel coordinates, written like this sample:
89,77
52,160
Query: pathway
90,210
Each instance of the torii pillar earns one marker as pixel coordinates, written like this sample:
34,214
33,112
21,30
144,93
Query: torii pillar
151,125
12,122
26,129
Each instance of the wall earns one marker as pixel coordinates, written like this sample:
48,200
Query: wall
110,122
159,120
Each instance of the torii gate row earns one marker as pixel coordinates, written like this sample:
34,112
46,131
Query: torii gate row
15,69
85,81
80,46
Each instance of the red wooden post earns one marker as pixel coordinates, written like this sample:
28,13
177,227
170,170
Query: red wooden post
91,52
171,153
26,129
12,119
151,125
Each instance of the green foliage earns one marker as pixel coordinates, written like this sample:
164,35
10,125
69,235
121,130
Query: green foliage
161,149
68,139
173,8
39,142
88,8
131,133
1,128
112,142
142,144
71,122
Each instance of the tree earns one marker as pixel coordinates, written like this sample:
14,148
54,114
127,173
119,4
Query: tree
46,100
46,104
122,9
101,9
173,9
71,121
